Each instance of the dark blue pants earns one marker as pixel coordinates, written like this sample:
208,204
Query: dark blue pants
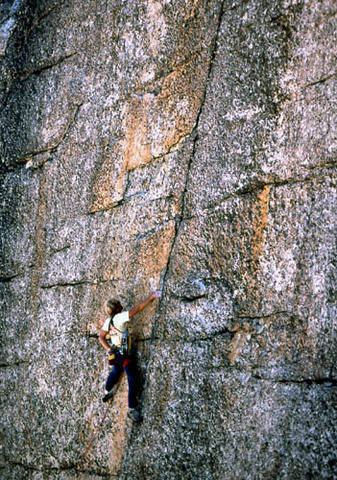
129,366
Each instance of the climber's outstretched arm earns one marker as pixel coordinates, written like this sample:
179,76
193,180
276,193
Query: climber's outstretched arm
144,304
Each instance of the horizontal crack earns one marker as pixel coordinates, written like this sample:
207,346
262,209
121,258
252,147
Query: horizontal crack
57,143
112,206
327,382
64,468
218,333
24,75
211,336
286,181
323,165
125,200
321,80
9,278
192,298
74,284
259,186
61,249
13,364
266,315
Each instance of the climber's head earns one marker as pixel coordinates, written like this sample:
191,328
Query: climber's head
112,307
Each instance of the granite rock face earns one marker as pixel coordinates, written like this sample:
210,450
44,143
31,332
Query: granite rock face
188,146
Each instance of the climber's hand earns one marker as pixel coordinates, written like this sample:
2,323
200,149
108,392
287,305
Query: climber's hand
112,356
142,305
156,294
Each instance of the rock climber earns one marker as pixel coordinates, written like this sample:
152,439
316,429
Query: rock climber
114,337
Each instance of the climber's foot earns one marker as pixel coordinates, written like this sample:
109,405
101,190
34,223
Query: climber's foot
134,414
107,396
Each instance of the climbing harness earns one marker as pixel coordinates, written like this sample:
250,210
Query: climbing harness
126,343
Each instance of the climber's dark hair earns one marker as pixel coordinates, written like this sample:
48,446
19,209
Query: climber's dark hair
113,306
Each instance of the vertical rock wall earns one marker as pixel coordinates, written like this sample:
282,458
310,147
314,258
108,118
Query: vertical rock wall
186,145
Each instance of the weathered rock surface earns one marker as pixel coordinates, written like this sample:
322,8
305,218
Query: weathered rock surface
189,146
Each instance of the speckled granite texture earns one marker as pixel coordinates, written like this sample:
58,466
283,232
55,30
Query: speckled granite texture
186,145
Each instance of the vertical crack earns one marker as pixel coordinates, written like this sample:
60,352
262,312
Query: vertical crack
178,221
194,137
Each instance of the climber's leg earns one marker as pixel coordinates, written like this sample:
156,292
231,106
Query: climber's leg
112,379
131,372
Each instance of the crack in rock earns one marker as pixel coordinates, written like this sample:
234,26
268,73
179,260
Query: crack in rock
23,76
28,159
325,382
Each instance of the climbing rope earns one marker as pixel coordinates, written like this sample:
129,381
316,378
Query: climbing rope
94,435
98,429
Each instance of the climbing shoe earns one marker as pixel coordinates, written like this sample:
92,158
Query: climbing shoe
134,414
108,395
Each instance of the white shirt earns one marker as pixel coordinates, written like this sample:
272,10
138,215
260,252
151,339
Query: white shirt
119,321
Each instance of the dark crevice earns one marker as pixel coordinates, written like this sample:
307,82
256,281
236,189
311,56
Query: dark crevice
9,278
61,468
321,80
58,250
211,336
54,147
223,331
326,382
284,182
157,158
126,198
266,315
114,205
190,299
331,164
37,152
13,364
147,339
260,186
324,18
142,236
22,76
140,194
73,284
91,335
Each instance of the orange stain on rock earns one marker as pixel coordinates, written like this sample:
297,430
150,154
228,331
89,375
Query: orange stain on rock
104,184
155,124
260,223
242,334
137,144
